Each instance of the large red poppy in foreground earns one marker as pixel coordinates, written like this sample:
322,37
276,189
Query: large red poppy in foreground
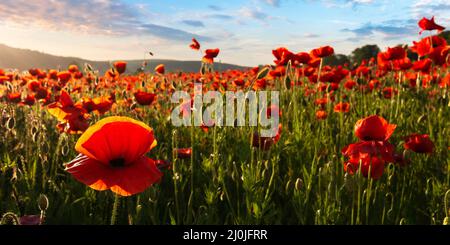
112,156
374,128
370,156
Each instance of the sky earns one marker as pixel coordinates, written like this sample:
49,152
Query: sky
245,31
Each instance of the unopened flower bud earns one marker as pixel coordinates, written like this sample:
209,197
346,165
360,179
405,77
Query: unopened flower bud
43,202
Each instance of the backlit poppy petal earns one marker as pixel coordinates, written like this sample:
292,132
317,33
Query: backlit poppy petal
125,181
374,128
116,138
90,172
65,99
137,177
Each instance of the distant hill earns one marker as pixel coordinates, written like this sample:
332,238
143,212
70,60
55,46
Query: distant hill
24,59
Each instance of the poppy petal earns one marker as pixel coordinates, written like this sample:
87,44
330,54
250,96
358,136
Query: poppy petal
65,99
390,128
57,112
125,181
137,177
116,137
90,172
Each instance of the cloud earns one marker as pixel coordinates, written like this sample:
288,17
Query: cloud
390,30
215,7
103,17
275,3
310,35
346,3
437,8
220,16
255,13
195,23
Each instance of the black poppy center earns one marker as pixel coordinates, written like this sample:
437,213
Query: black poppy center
117,163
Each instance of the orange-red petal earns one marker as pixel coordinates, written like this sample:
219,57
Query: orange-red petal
116,137
125,181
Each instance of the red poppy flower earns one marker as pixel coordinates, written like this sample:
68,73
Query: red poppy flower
34,72
429,25
370,155
342,107
195,45
210,54
78,75
402,64
321,115
64,76
439,54
102,104
395,53
283,56
260,84
184,153
52,74
74,123
88,104
33,85
321,101
445,82
314,62
350,84
302,58
72,117
41,93
374,128
419,143
388,92
112,156
73,69
144,98
374,84
239,82
29,100
422,65
14,97
279,71
4,79
120,66
322,52
160,69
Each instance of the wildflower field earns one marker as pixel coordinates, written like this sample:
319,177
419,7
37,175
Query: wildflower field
364,143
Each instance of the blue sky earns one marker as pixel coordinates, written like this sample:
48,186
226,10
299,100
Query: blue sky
245,31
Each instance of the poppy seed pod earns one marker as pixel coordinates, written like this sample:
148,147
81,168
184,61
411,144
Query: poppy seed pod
43,202
298,184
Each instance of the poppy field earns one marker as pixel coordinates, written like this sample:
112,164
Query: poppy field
362,143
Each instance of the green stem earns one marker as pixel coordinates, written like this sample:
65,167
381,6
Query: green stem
115,209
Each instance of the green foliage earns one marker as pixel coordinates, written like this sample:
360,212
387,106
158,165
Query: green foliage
365,53
336,60
300,180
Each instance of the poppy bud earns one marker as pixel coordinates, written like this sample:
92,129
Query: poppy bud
298,184
10,123
43,202
263,73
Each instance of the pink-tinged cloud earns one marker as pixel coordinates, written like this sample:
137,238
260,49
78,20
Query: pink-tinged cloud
102,17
